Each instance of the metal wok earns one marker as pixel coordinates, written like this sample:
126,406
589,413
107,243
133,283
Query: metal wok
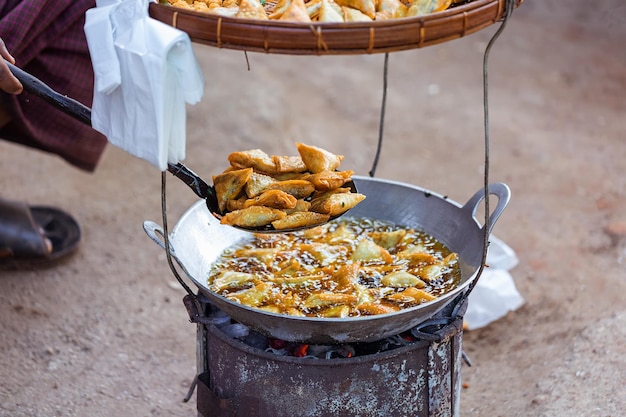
198,239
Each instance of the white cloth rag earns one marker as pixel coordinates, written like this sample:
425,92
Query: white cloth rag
495,294
145,71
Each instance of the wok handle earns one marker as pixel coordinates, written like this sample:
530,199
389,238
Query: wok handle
155,232
500,190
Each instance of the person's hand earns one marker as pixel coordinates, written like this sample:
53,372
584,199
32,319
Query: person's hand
8,82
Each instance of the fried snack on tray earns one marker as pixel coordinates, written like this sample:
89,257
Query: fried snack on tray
259,190
306,11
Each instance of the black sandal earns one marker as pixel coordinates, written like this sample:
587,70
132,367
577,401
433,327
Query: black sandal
37,232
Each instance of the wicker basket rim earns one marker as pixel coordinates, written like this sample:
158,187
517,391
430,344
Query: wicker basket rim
442,15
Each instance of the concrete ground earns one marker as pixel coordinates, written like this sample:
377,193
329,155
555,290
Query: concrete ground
105,333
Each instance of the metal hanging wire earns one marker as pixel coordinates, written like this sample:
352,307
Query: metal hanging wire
510,6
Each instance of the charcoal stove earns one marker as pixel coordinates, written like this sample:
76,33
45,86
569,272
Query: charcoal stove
245,374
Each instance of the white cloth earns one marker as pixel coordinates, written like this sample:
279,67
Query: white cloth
145,71
495,294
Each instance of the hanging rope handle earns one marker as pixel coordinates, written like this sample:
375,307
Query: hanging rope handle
510,6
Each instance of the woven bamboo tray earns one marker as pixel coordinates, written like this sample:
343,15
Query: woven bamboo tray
278,37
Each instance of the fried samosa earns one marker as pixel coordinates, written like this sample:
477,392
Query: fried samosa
279,9
337,203
251,9
229,184
367,250
301,205
296,12
411,295
329,12
257,183
329,180
368,7
288,164
423,7
300,219
353,15
298,188
391,9
254,216
272,198
317,159
254,158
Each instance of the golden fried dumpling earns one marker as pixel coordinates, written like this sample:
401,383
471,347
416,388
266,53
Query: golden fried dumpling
231,279
279,9
182,4
347,275
272,198
200,6
373,308
411,295
329,180
296,12
236,204
229,184
251,9
329,12
212,4
402,279
322,299
301,205
298,188
253,158
423,7
353,15
287,164
368,7
252,217
313,8
367,250
230,3
317,159
392,8
300,219
417,254
337,203
224,11
388,240
252,296
257,183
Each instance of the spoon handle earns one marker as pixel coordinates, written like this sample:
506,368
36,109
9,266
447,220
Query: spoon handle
37,87
197,184
82,113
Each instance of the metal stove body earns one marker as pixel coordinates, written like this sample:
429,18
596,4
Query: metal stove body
417,379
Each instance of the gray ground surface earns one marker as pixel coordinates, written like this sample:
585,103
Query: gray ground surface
105,333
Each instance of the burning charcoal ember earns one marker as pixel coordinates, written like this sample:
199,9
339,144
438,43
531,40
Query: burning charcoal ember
299,350
345,351
319,351
277,344
330,351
